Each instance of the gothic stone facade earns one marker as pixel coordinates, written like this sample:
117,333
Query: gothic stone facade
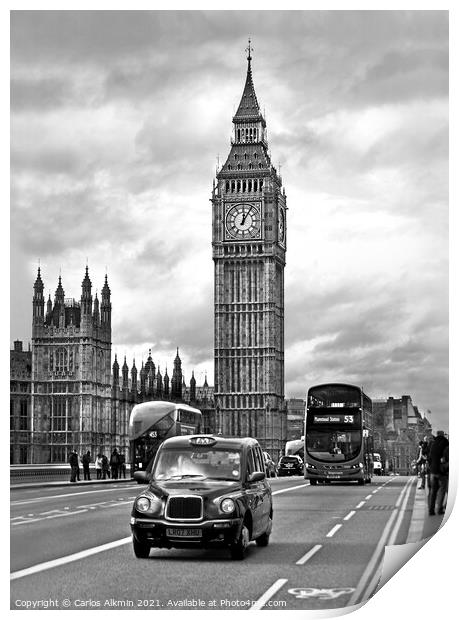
249,245
71,375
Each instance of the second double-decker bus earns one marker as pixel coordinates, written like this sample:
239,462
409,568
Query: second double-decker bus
295,447
338,443
152,422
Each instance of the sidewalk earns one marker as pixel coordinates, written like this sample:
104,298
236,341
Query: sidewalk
423,525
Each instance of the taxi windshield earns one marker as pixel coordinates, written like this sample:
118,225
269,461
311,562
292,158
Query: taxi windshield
199,462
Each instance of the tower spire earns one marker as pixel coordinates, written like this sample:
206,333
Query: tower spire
249,50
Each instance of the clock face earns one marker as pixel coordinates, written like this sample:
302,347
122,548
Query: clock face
243,221
281,226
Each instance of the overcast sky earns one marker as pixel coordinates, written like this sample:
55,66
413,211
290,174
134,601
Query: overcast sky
117,121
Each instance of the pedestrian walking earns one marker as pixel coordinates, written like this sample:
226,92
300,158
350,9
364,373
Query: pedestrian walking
421,463
438,475
105,467
74,468
114,463
86,460
98,466
122,465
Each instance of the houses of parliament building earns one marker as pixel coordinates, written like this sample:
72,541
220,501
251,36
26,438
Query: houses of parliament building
64,391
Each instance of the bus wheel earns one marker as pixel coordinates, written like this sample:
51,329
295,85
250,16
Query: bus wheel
313,482
141,550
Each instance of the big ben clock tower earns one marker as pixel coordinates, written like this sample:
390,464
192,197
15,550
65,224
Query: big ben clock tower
249,235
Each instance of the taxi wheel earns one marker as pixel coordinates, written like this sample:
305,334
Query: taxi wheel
239,548
263,540
312,482
141,550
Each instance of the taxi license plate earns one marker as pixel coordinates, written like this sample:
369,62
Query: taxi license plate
289,465
333,476
181,532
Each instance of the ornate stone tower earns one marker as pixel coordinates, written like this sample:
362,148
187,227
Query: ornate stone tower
249,244
71,374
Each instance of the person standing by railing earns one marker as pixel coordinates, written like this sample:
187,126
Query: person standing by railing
74,468
86,460
98,466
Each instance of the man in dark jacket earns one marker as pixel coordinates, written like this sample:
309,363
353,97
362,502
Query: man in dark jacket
74,467
86,460
438,478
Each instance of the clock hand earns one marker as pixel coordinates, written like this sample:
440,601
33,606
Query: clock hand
244,218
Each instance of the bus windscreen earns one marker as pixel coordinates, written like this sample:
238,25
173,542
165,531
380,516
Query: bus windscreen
333,436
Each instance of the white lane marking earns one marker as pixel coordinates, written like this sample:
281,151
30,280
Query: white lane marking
47,497
400,514
307,556
360,504
334,530
277,585
368,496
375,491
348,516
62,514
375,559
69,558
299,486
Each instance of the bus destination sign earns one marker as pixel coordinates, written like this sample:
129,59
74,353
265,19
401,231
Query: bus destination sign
334,419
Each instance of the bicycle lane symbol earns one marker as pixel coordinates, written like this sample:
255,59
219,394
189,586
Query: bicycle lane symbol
324,594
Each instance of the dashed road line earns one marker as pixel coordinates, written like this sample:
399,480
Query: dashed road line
334,529
270,592
348,516
368,496
360,504
307,556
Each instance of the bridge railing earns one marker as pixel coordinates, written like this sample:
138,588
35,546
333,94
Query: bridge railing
22,474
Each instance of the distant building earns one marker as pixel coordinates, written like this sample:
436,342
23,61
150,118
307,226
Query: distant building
296,408
398,428
20,401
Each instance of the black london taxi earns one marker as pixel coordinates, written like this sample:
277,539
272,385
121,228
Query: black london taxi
203,491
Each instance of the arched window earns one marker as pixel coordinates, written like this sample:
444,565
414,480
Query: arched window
230,167
249,184
250,166
244,186
239,167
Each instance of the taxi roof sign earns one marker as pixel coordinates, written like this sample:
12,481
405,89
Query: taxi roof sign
203,440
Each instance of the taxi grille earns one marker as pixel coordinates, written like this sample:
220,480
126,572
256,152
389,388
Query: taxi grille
184,508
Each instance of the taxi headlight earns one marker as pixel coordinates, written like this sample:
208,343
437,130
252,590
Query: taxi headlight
227,505
142,504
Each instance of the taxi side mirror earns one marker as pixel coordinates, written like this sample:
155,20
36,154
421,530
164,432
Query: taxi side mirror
141,476
256,476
